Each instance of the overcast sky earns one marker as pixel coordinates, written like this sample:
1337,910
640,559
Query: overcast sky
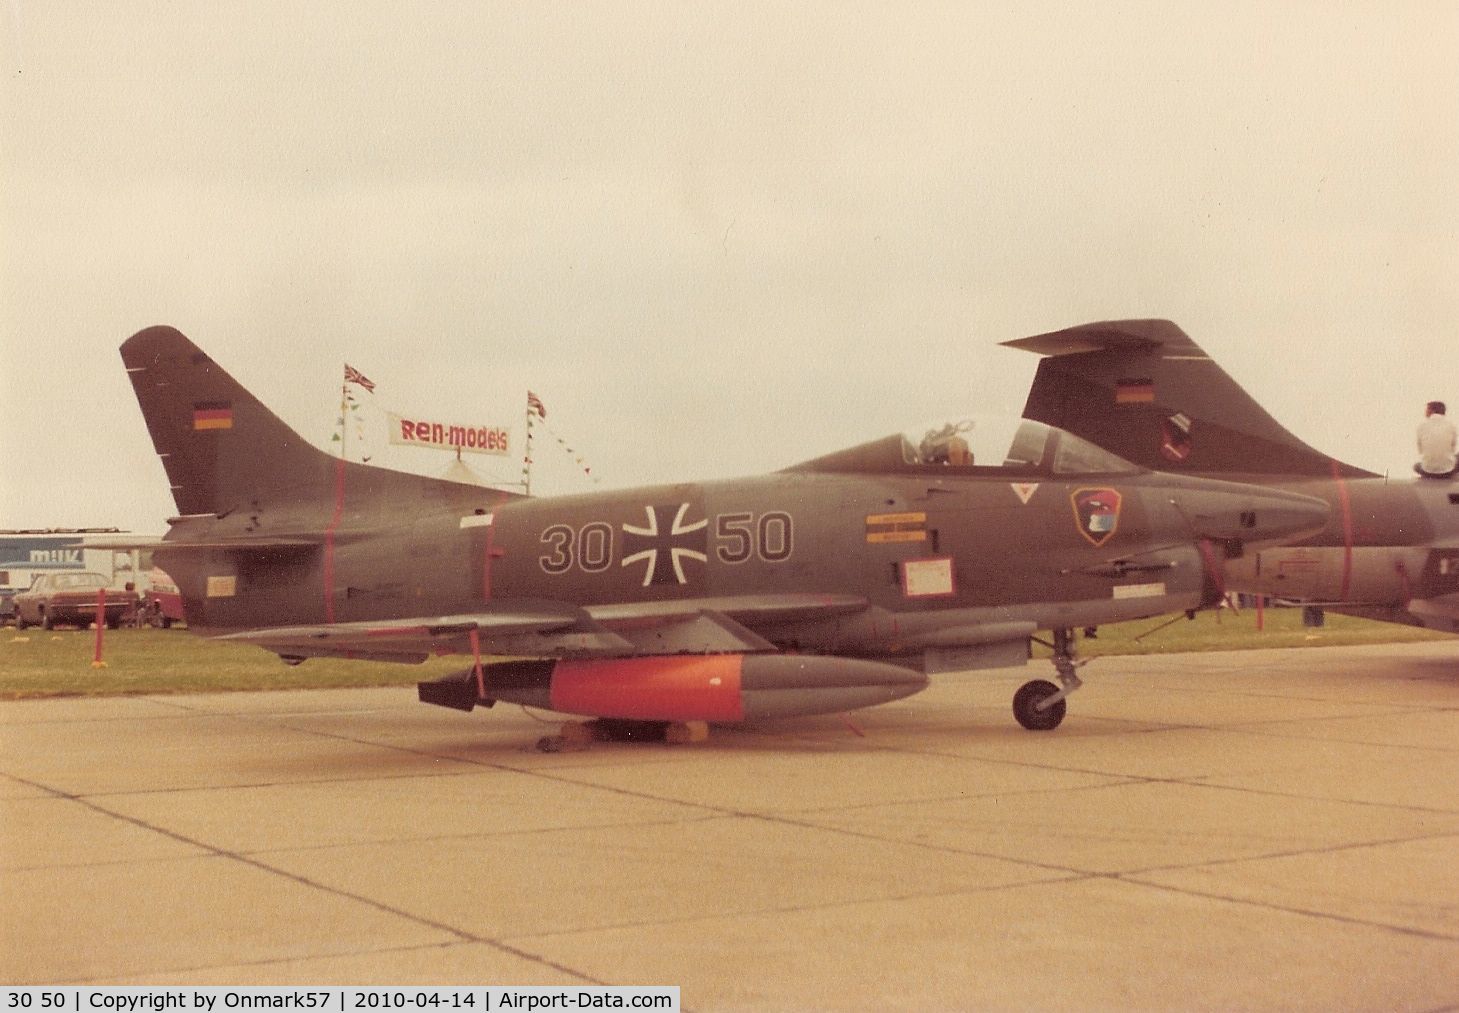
716,239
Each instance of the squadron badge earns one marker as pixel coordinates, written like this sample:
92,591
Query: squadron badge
1097,512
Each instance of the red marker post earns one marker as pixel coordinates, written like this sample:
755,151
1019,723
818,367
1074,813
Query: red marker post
96,661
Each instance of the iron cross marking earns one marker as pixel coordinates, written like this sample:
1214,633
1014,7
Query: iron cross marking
665,543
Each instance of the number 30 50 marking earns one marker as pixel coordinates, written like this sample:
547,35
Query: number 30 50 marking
741,537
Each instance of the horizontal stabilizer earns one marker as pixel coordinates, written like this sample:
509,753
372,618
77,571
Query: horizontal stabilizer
219,545
1111,336
123,544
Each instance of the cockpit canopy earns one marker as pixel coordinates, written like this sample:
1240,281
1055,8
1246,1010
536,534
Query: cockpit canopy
980,445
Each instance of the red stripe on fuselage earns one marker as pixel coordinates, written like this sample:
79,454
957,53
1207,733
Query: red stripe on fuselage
486,562
1345,503
329,541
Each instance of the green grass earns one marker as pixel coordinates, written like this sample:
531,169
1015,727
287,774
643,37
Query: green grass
37,663
1224,630
40,663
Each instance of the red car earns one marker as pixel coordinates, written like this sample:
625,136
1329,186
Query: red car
163,601
69,598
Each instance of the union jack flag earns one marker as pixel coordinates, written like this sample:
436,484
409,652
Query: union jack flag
534,404
353,375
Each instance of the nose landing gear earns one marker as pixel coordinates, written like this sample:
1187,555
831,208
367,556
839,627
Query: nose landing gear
1039,705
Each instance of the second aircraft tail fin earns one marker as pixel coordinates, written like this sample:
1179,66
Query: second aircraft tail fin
1144,390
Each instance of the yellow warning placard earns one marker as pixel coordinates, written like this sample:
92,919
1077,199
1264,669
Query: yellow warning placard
904,527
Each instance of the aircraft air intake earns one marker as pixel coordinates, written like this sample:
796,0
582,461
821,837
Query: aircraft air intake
1239,517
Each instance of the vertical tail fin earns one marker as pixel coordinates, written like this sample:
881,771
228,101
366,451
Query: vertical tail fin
220,446
1144,390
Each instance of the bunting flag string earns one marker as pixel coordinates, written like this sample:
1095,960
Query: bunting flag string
359,420
349,408
532,411
577,458
537,415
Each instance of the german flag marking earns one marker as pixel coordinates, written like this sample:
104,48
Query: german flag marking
1140,391
213,415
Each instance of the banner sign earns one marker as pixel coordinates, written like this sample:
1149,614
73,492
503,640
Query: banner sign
42,553
418,432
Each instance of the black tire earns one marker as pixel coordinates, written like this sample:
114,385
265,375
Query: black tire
46,623
113,622
20,622
1025,706
167,622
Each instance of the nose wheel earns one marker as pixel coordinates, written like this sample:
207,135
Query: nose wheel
1039,705
1026,706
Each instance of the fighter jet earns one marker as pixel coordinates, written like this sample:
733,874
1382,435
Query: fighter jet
1144,390
838,583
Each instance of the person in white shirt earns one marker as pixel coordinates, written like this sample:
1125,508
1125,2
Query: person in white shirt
1437,440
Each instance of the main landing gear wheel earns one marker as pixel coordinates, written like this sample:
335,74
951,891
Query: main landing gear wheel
1026,709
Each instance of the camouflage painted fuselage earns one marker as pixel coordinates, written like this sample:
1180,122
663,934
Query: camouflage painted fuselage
899,554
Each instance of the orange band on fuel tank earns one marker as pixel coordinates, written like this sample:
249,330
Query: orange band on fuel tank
700,688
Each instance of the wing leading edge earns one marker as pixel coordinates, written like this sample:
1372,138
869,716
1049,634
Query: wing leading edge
551,630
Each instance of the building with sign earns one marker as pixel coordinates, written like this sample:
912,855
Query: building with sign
27,553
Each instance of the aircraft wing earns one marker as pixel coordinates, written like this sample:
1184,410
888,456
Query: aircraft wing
748,608
532,629
715,625
552,630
